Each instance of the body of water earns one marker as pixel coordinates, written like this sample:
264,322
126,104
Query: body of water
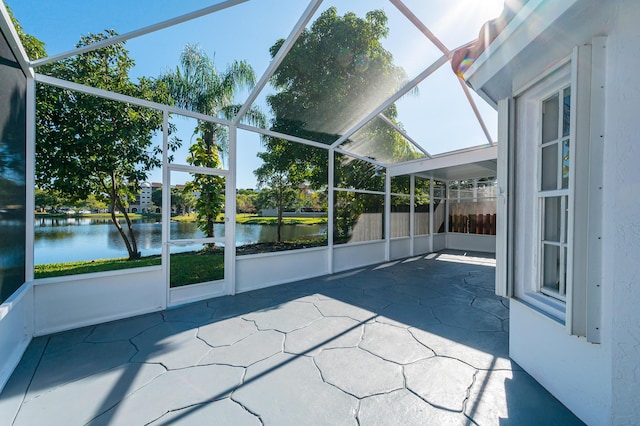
73,239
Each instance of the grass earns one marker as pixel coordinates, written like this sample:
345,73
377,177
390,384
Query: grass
253,219
244,218
186,268
196,267
272,220
184,218
91,266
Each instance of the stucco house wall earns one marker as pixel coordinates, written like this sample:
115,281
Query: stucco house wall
621,239
599,382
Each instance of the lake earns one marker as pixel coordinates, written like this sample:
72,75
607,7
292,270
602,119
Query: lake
73,239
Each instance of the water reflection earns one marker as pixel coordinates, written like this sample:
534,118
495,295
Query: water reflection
73,239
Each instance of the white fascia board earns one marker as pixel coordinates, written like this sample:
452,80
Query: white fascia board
14,41
531,21
455,158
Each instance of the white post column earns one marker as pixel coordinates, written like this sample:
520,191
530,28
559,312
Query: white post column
166,206
30,171
330,207
431,192
412,213
387,215
230,215
447,196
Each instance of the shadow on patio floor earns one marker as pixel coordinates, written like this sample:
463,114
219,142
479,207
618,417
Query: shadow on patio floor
418,341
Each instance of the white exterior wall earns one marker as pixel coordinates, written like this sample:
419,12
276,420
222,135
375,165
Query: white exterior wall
439,242
471,242
268,269
574,371
621,224
79,300
600,383
422,244
16,329
399,248
356,255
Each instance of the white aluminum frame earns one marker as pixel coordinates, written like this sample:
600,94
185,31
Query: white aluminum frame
565,195
529,292
139,32
235,124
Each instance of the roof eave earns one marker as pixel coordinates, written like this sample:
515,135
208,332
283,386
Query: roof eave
511,41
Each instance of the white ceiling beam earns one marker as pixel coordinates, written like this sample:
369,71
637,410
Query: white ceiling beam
449,159
107,94
278,58
279,135
403,91
140,32
360,157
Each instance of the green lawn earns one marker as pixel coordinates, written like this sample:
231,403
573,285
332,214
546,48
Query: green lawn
90,266
186,268
272,220
254,219
196,267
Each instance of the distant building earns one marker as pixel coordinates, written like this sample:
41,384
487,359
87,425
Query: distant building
142,202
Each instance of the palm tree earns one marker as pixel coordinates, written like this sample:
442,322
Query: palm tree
197,86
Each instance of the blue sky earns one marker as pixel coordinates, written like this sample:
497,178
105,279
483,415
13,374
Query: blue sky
439,117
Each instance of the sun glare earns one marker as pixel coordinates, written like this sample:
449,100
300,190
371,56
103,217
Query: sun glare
461,20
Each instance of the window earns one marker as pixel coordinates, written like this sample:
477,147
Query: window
550,191
554,199
542,194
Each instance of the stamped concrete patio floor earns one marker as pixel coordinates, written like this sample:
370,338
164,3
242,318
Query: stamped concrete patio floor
415,342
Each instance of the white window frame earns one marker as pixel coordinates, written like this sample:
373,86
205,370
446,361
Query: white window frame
528,281
584,71
565,194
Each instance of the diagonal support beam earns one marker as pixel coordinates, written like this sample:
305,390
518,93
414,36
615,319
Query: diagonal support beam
422,27
436,41
404,134
406,89
275,63
361,158
140,32
474,107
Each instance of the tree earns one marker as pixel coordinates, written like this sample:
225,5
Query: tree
183,199
246,201
156,197
90,145
196,85
44,199
327,83
332,76
277,189
279,176
94,204
33,47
